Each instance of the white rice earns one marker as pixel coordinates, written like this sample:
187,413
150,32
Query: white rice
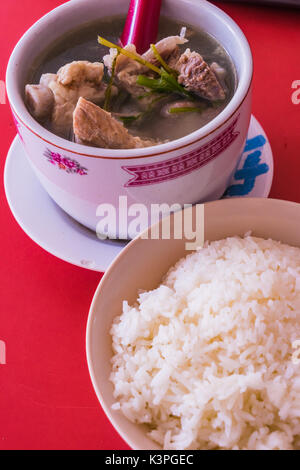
206,359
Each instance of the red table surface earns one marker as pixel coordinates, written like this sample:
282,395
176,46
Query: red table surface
47,400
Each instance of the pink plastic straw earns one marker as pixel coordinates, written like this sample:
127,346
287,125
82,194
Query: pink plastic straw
141,26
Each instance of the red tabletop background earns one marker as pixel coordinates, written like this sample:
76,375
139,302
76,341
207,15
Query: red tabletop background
46,397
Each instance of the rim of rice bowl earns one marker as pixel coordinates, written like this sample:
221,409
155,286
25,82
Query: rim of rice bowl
269,269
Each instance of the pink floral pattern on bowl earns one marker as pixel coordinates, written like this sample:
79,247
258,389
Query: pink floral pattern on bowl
64,163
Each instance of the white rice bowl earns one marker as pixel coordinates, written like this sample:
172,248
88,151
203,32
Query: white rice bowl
207,358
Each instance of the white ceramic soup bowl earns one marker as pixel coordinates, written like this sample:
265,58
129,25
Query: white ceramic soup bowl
195,168
148,260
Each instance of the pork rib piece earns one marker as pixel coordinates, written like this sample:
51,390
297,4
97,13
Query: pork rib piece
72,81
94,126
127,70
40,101
196,76
80,73
167,48
79,78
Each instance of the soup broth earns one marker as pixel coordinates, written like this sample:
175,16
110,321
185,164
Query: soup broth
158,123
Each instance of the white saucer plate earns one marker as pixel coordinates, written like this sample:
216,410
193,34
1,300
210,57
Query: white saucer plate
52,229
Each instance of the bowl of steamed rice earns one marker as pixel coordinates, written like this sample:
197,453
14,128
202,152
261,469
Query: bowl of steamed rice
201,349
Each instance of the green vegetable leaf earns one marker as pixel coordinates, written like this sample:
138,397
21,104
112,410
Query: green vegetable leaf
130,118
186,109
165,84
162,62
129,54
109,86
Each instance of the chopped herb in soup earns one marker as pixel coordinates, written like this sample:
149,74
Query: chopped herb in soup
96,93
